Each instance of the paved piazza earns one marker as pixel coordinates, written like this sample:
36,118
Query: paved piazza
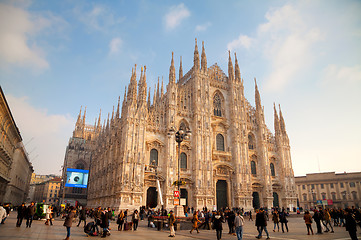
41,231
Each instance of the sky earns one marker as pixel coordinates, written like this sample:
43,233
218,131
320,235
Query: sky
56,56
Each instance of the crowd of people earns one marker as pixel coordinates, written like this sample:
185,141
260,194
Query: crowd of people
325,219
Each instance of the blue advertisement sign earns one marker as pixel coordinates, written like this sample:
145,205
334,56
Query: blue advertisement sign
76,178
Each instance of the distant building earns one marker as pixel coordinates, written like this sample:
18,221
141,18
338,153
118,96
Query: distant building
15,167
48,191
330,189
36,179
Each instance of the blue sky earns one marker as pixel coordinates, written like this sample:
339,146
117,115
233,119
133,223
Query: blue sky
58,55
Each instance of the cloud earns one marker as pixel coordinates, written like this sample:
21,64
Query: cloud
115,45
175,16
242,41
342,75
17,28
50,133
203,27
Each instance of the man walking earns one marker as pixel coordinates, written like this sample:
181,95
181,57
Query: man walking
261,223
238,223
30,214
171,224
21,214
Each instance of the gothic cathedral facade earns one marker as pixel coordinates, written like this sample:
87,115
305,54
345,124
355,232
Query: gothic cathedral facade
231,159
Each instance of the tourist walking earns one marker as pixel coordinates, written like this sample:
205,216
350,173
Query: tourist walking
195,221
276,220
48,216
120,220
2,213
238,223
104,222
308,220
69,221
261,223
82,216
217,221
97,218
351,224
250,215
171,224
283,220
30,212
317,216
327,218
21,214
135,219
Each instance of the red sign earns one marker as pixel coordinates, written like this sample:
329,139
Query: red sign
329,202
176,194
176,201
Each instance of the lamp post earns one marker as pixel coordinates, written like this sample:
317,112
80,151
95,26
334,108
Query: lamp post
180,136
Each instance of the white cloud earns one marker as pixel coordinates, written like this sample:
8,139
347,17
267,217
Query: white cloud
242,41
50,133
16,28
203,27
175,16
115,45
341,75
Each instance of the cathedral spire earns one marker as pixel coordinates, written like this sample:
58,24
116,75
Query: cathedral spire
117,114
196,57
132,90
142,96
230,67
148,103
99,119
162,88
204,58
282,121
257,96
84,116
276,121
237,71
180,69
124,101
79,116
158,91
172,71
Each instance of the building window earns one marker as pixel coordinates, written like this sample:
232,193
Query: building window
333,195
217,105
272,170
323,196
79,166
50,195
314,196
352,184
322,186
253,168
220,142
312,186
331,185
183,161
251,143
303,187
354,195
343,195
153,156
341,185
304,197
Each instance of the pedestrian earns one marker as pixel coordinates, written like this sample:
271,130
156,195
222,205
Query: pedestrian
250,215
327,218
217,221
238,223
308,220
104,223
120,220
276,220
171,224
97,215
195,222
351,224
317,216
283,220
21,214
230,219
48,216
7,209
69,221
2,213
82,216
135,219
261,223
30,212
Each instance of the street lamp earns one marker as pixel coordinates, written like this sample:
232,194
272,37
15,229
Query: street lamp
180,136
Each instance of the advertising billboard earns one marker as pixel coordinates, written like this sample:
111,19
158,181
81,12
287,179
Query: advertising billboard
76,178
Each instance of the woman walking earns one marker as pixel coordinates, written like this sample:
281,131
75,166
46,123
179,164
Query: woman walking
283,220
48,216
69,221
195,221
276,220
120,220
308,220
217,221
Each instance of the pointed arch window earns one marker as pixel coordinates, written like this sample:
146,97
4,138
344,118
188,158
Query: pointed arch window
251,142
220,142
217,105
153,156
79,166
253,168
272,167
183,161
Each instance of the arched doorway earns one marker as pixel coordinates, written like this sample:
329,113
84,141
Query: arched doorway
221,195
255,202
276,202
152,197
184,194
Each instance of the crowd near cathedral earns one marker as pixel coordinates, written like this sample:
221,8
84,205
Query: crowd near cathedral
231,158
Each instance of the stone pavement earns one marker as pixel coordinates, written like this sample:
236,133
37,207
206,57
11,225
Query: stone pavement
57,231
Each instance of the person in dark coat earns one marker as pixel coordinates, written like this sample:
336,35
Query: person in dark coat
82,216
97,215
135,219
120,220
351,224
283,220
30,212
69,221
104,223
217,220
261,223
317,216
21,214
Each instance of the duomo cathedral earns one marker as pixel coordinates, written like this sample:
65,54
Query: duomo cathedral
231,158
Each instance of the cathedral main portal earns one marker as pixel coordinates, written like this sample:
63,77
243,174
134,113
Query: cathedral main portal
222,194
152,197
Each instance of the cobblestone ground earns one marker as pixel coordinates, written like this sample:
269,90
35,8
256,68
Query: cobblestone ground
41,231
